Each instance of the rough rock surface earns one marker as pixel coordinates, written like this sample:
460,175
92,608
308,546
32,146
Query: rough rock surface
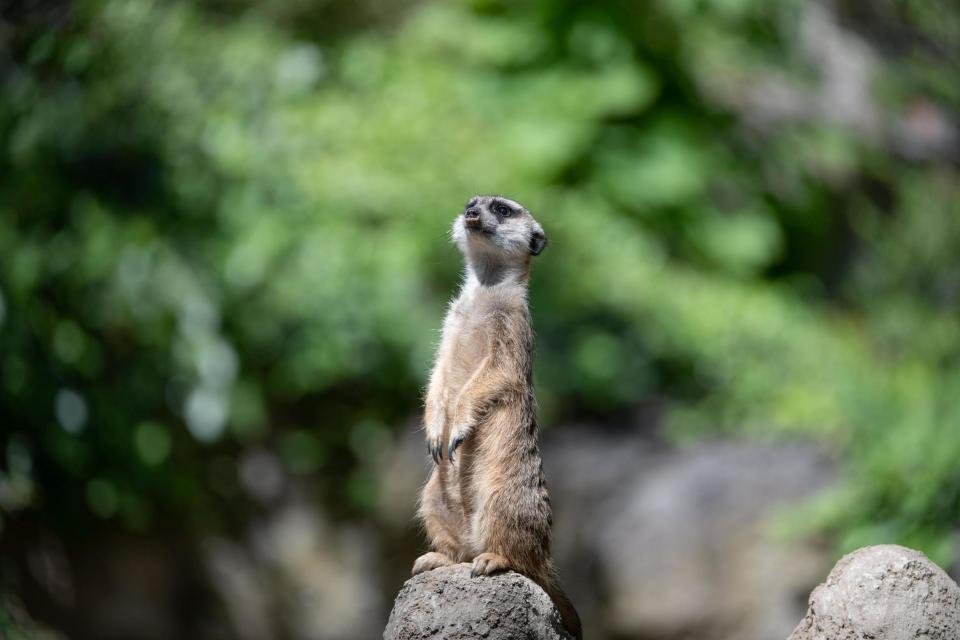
887,592
684,548
448,604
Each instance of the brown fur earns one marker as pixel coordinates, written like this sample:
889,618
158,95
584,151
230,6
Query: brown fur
486,499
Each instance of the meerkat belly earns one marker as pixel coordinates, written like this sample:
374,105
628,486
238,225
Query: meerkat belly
505,493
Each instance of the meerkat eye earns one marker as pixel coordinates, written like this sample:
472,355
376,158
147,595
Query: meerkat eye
503,210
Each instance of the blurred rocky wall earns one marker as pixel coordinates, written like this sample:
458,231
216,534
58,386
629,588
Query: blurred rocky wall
655,541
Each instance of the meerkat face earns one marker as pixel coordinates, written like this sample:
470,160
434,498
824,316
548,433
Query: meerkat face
498,225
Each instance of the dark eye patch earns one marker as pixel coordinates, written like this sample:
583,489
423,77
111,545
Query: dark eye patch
502,210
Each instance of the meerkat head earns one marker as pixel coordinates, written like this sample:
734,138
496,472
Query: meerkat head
497,229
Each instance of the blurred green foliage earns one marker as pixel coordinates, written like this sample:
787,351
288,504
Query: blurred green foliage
223,229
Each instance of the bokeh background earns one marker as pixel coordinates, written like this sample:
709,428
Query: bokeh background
224,262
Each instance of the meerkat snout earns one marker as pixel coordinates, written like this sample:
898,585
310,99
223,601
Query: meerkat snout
471,218
494,224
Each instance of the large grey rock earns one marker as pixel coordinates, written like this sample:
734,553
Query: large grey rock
885,592
447,604
681,538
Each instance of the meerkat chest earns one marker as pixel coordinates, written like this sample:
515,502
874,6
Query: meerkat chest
468,333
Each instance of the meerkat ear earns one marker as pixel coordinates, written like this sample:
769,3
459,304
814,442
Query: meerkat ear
538,240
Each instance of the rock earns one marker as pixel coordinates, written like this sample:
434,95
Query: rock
448,604
885,592
680,538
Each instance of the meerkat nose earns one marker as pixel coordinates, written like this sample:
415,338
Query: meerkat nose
471,219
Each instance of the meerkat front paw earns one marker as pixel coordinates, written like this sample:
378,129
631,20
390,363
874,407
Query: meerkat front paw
435,448
436,439
486,564
429,561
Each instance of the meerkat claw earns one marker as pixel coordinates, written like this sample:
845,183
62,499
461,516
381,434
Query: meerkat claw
456,442
435,450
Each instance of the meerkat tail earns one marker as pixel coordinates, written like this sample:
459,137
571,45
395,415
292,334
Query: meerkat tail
568,614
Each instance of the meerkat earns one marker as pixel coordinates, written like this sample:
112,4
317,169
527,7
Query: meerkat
486,499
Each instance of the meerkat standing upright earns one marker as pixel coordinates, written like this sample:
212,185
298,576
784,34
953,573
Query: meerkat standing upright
487,501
